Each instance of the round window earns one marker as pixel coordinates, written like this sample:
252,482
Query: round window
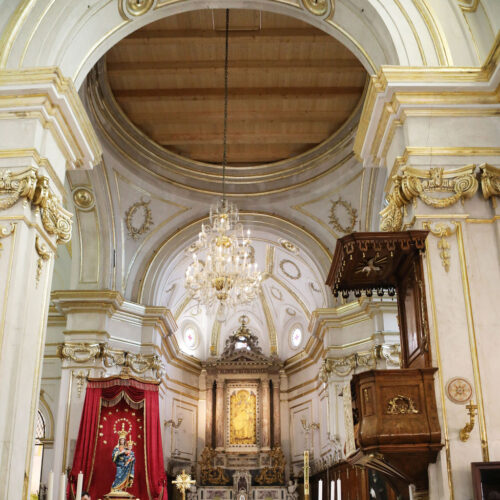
190,337
296,337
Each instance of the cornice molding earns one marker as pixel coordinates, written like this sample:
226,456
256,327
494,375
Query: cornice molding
45,94
398,92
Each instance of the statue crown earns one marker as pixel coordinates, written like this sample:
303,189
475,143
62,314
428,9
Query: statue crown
123,433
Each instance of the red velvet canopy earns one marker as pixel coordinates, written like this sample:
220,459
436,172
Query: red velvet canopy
109,404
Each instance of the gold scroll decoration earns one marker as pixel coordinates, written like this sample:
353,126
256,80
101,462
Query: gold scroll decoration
490,181
36,189
435,187
275,473
441,230
5,232
208,472
243,418
43,256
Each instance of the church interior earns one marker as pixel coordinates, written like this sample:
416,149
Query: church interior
249,250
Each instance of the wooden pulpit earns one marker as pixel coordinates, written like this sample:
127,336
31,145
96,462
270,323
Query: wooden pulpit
396,427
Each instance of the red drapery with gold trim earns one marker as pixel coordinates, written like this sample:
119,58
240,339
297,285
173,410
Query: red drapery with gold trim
109,404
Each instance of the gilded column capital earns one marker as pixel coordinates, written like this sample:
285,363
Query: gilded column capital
490,180
138,364
36,189
343,366
436,187
80,352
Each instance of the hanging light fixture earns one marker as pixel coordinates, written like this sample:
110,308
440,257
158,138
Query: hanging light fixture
223,270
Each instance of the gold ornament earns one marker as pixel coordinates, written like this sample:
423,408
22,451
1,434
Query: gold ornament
459,184
401,405
288,245
36,189
442,231
352,213
80,352
275,473
83,198
316,7
43,256
135,232
5,232
490,180
210,474
134,8
183,482
289,263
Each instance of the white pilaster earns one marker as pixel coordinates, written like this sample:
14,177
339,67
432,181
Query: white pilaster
43,132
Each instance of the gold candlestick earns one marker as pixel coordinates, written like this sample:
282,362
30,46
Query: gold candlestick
306,475
183,482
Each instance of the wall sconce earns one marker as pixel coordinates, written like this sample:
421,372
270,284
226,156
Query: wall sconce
308,427
173,423
465,432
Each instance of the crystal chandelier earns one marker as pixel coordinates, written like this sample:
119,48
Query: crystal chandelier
222,269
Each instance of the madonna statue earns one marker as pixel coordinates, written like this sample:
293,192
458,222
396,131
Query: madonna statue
124,459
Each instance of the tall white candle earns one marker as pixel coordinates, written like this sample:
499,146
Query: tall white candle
79,486
339,492
50,486
320,490
332,490
62,487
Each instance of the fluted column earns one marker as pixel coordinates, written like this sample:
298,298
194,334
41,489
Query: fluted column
266,414
219,414
276,430
209,412
43,132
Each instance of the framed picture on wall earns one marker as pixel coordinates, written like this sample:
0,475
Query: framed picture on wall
486,480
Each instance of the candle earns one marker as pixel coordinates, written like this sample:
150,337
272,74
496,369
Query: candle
62,487
320,490
50,486
79,486
339,492
332,490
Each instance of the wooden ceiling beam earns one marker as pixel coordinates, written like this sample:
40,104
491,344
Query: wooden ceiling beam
159,119
191,65
236,93
245,138
283,34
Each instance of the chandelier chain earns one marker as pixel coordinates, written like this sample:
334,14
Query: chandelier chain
226,71
223,268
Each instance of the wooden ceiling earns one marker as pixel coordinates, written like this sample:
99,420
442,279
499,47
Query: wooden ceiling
290,85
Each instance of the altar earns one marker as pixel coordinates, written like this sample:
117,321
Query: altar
242,455
227,493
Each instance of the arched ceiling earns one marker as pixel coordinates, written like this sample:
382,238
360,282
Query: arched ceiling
292,289
291,86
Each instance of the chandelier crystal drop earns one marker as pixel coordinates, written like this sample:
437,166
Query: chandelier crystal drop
223,270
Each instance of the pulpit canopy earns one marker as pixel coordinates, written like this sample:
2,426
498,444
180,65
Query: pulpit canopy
364,262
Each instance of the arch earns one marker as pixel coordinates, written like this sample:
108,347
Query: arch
74,35
155,267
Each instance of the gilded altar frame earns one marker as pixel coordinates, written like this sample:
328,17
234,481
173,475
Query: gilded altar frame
233,390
